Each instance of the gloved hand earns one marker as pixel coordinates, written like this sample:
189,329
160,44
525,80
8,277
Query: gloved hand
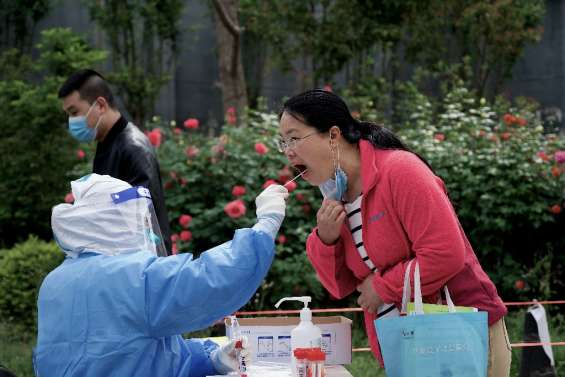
225,359
271,201
271,207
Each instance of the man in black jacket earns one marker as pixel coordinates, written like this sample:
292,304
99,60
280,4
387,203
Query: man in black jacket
123,151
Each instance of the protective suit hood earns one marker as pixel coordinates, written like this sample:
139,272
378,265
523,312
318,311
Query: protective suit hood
108,216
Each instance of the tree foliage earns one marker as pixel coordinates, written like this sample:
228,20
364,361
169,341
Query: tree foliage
367,38
143,36
18,20
37,154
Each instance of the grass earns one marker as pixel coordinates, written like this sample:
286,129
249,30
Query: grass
15,349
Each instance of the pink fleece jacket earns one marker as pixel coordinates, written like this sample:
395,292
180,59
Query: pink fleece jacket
406,215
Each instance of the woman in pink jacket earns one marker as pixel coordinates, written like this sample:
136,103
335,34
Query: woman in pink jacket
383,207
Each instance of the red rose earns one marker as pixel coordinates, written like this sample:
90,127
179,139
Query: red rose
186,235
290,186
155,137
168,185
439,137
238,190
269,182
235,209
505,136
306,208
177,131
543,156
69,198
261,148
282,239
184,220
300,197
182,182
509,119
175,249
519,284
80,154
192,123
555,171
521,121
191,151
284,174
231,117
174,237
555,209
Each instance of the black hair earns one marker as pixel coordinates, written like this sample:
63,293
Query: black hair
89,84
322,110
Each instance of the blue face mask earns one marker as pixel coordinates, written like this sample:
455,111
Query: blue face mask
335,188
78,127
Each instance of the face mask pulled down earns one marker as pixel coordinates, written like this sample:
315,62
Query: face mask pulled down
335,188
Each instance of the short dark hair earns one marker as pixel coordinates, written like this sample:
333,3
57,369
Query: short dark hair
89,84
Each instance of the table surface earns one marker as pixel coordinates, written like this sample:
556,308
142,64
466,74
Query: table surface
264,369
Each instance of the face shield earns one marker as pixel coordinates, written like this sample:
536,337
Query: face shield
138,214
109,217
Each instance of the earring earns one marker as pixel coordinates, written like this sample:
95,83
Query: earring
334,148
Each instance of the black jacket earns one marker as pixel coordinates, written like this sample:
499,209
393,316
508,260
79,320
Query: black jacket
126,154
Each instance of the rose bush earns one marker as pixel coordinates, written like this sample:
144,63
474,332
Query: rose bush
506,181
214,181
505,177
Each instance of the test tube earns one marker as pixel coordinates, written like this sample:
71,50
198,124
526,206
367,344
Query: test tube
241,360
316,358
300,366
235,334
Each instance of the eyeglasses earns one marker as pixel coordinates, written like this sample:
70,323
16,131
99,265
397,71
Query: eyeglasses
291,143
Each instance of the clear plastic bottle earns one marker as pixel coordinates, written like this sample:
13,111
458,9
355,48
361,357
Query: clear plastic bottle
306,334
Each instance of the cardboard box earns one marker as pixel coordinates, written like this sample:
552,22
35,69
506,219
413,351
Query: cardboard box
269,337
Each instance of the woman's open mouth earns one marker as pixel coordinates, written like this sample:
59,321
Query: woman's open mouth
300,168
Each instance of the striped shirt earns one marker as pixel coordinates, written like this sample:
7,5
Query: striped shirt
355,222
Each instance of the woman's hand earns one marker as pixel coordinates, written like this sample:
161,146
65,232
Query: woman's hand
368,299
330,218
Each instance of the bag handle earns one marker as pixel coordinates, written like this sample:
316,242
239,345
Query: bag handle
406,293
418,303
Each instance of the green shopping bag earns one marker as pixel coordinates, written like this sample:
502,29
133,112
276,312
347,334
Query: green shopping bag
449,343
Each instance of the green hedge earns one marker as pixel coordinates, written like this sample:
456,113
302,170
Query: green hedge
22,269
38,154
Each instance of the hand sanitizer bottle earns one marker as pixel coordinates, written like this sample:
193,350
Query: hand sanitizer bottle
306,334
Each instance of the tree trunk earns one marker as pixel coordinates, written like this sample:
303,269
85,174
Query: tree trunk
228,37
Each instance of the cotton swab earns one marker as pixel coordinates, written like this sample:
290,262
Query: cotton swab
295,178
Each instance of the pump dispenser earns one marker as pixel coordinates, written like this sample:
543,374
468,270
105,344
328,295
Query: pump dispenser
306,334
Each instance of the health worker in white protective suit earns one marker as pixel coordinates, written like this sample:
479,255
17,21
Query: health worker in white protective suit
115,308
